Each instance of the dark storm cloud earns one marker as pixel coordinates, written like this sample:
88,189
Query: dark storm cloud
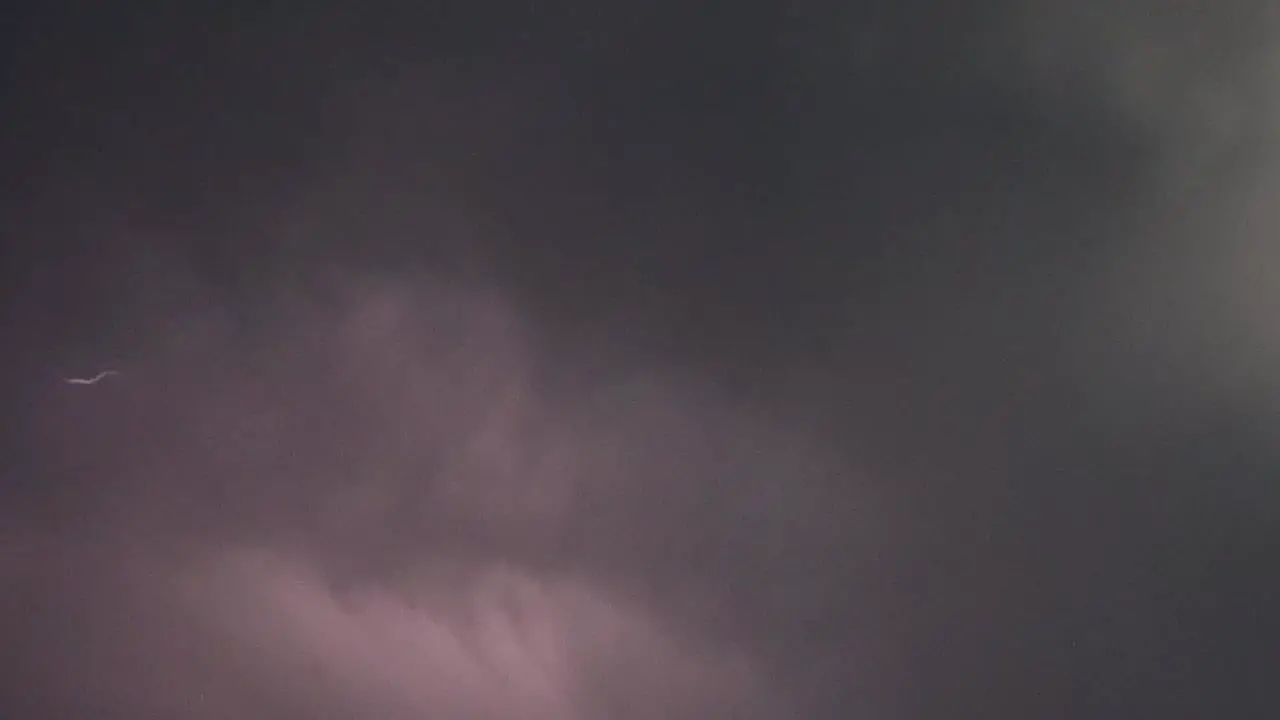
893,360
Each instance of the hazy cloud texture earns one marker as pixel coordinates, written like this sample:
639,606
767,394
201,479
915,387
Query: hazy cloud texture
873,360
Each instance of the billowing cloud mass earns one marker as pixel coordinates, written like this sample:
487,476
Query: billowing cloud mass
878,360
380,504
376,509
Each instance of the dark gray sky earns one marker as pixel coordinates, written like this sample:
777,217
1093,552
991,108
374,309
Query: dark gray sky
880,360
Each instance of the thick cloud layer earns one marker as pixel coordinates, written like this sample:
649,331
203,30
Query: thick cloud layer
875,360
375,507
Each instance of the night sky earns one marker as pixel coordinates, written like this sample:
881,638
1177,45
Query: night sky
883,360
